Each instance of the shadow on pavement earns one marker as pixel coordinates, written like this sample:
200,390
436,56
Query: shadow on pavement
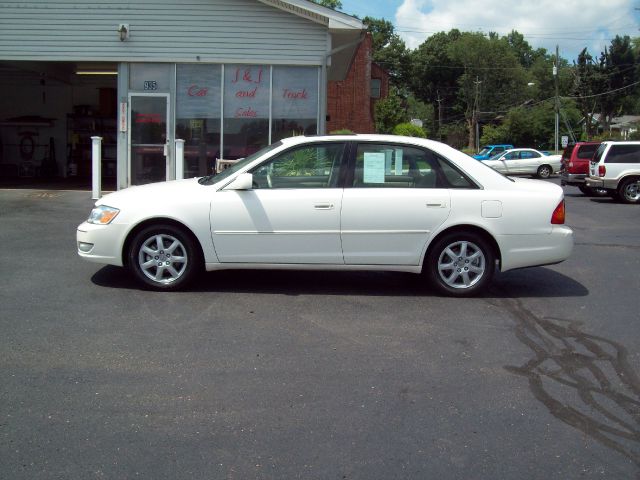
534,282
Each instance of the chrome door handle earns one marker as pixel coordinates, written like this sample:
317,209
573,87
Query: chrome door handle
323,206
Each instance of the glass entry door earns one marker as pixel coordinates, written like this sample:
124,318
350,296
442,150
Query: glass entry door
149,151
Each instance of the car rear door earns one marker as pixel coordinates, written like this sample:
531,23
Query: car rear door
395,198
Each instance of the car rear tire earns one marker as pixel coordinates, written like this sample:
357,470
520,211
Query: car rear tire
163,257
629,191
460,264
544,171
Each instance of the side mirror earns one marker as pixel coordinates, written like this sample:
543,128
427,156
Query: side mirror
244,181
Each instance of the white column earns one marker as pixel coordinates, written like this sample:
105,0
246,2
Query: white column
96,167
179,159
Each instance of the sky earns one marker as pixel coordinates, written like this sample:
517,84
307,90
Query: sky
571,24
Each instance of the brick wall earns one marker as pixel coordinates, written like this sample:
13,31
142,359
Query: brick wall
349,103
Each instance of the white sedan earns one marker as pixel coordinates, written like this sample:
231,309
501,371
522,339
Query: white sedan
525,161
354,202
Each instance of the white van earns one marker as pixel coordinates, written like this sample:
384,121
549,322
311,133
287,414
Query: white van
616,167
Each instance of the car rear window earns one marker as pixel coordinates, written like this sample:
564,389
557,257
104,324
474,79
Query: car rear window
567,151
623,154
598,155
587,151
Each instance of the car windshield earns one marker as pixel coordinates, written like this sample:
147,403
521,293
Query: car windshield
496,156
484,151
211,179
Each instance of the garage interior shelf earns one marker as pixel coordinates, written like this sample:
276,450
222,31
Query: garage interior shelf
80,129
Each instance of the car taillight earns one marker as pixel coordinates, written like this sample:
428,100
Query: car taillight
570,164
602,170
558,214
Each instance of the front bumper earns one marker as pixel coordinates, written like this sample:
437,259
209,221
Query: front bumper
519,251
101,243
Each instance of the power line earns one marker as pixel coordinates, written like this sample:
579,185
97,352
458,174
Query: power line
606,93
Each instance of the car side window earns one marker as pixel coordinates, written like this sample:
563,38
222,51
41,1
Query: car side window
498,150
511,156
397,166
623,154
527,154
309,166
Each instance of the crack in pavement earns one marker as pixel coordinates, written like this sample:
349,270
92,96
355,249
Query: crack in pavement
585,381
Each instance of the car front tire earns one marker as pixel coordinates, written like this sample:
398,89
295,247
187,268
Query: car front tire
629,191
460,264
163,257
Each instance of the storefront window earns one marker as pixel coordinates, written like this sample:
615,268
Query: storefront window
295,102
198,116
246,110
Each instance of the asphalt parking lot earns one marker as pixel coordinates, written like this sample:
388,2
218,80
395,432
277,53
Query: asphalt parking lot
309,375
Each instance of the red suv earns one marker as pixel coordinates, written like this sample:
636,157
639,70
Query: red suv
575,166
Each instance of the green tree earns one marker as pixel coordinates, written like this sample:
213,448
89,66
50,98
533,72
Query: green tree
493,80
389,50
334,4
525,54
619,65
434,77
421,111
409,130
588,83
389,112
530,126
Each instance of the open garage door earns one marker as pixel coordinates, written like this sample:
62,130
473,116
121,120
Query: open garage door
49,112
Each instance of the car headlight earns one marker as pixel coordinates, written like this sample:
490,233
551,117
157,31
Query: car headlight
102,215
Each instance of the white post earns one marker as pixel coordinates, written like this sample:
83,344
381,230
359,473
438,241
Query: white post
179,159
96,167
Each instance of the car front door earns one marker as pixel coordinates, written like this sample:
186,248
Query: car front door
512,163
397,197
292,214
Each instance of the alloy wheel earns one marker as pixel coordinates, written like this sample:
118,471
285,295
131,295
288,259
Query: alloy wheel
162,258
631,191
461,264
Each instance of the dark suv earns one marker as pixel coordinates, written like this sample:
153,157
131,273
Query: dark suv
575,166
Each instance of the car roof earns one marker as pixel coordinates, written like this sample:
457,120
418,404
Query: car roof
369,137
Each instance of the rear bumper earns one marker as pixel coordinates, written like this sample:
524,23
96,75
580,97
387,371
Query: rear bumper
519,251
597,182
574,179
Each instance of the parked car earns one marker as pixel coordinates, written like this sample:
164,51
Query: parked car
491,150
575,167
525,161
615,167
353,202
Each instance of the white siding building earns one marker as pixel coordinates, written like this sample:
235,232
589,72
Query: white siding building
226,76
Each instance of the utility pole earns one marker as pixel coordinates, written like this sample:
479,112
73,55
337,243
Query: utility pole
476,109
555,79
439,100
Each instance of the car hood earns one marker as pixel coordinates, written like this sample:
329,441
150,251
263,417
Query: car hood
155,193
